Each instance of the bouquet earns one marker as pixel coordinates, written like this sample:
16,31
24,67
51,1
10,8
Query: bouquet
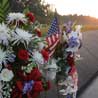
67,76
22,57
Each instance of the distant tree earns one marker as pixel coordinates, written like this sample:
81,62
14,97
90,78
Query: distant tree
85,20
44,13
38,7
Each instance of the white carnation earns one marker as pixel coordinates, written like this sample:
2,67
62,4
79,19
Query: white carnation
38,57
6,75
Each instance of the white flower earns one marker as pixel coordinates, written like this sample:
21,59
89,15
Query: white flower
3,28
4,36
38,57
21,36
78,28
73,34
3,55
41,45
16,17
69,49
6,56
6,75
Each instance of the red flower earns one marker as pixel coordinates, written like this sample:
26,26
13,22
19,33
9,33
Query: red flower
38,32
34,75
30,17
45,54
17,91
19,85
70,60
38,86
23,54
72,70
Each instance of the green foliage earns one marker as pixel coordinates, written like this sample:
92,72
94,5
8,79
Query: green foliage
26,10
41,10
4,8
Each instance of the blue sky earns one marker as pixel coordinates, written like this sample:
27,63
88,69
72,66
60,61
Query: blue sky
84,7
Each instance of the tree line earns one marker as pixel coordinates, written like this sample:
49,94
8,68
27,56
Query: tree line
44,14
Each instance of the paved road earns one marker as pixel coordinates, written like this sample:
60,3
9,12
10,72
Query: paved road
92,90
87,67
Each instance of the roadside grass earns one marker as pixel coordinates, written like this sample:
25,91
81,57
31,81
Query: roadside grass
44,30
89,28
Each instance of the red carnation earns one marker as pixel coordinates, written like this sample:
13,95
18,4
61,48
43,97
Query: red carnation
30,17
19,85
23,54
38,86
34,75
45,54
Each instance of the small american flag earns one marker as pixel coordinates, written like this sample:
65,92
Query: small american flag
53,36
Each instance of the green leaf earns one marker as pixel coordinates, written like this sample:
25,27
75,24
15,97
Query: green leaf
4,9
4,2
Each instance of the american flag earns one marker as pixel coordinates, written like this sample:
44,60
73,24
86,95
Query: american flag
53,36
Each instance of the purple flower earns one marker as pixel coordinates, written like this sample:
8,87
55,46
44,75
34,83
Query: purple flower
28,86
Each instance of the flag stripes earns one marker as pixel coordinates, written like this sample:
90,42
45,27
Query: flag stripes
53,36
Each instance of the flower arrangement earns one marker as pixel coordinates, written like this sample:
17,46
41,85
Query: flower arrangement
22,57
65,54
25,65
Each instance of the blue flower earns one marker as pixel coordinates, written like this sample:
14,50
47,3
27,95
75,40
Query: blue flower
73,42
69,96
28,86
